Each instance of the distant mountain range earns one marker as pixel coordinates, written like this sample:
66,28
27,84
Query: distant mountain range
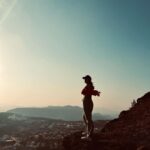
67,113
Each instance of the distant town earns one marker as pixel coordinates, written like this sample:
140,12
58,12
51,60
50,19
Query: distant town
30,133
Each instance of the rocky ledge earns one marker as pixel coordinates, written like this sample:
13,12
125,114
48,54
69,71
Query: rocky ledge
130,131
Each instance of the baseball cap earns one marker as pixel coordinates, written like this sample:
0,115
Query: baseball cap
87,77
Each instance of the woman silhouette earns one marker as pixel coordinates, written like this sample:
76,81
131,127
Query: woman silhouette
88,91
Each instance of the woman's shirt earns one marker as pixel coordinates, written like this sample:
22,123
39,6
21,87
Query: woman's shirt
88,90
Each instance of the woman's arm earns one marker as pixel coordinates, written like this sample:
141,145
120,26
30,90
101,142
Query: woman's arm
96,93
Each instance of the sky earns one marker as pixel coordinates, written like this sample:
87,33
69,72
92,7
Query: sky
47,46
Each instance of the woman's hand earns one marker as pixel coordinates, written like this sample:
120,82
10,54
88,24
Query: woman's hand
96,93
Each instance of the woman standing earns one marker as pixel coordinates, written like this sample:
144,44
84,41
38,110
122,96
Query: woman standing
88,91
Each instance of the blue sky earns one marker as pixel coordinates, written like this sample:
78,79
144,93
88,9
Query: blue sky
48,45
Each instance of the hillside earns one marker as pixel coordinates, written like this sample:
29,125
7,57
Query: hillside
130,131
67,113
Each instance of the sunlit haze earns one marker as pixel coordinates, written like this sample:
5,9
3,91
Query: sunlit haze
46,46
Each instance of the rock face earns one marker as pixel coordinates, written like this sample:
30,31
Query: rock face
131,131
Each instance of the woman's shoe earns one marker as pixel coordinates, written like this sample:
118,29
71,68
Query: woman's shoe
87,138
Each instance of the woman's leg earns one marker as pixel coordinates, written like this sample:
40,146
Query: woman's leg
88,108
90,124
84,119
85,122
88,114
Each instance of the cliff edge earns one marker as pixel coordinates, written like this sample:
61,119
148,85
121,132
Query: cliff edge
130,131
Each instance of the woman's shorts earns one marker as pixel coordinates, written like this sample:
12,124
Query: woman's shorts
88,107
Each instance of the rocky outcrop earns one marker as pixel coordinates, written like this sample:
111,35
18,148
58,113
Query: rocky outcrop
130,131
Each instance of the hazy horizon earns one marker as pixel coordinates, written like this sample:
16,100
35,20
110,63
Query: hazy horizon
46,46
101,110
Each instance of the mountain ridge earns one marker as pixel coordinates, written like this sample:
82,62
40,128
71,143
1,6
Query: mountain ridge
67,113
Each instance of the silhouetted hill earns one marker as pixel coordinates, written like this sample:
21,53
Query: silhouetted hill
68,113
131,131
